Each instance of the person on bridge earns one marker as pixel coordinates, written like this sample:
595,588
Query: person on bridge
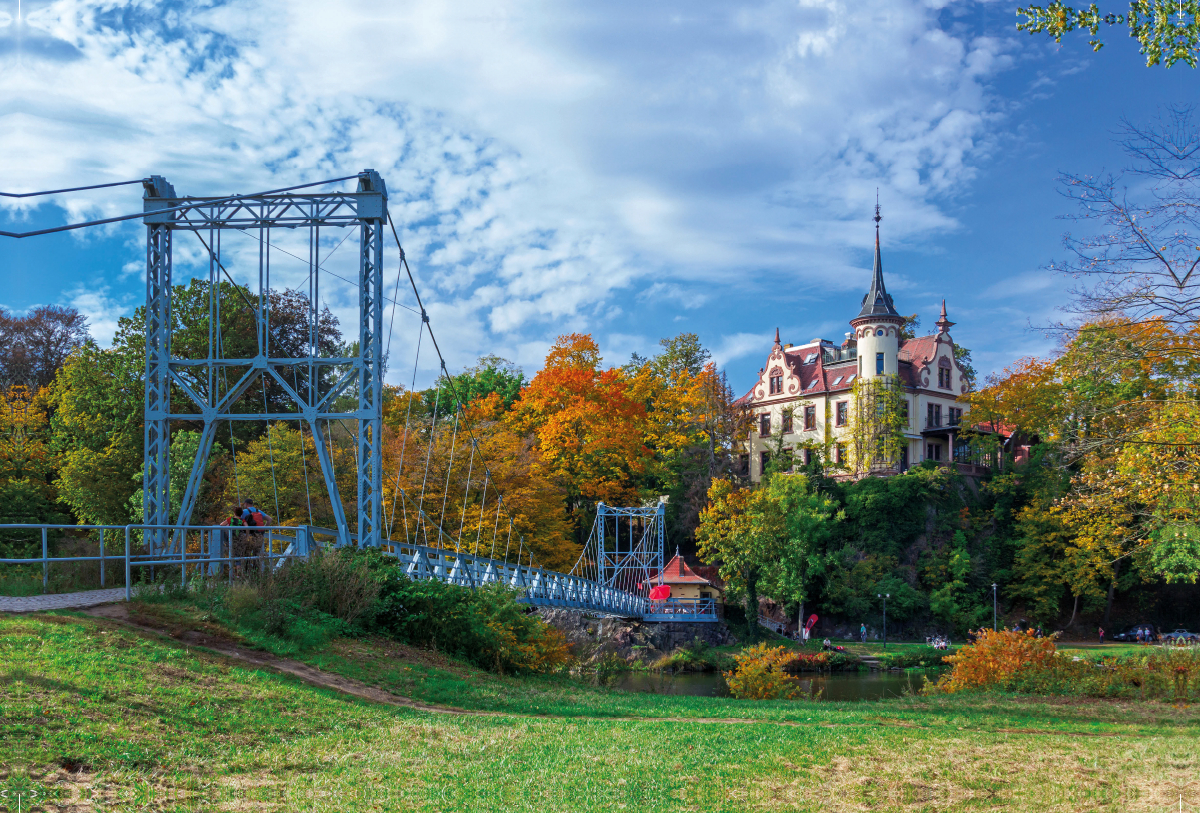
253,517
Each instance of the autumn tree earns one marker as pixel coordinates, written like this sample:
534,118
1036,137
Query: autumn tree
590,428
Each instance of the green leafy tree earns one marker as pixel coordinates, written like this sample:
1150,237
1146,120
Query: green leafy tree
96,431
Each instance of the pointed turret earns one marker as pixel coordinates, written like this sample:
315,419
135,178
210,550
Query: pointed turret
776,337
877,302
943,323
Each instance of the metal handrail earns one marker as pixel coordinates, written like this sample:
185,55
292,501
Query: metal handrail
538,585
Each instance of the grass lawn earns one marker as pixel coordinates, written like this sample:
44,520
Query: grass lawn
96,716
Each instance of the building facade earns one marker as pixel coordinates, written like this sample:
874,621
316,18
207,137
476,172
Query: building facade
803,395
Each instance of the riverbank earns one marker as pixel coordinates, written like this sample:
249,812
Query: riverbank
112,715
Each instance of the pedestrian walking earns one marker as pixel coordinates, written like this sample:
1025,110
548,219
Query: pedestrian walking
1102,635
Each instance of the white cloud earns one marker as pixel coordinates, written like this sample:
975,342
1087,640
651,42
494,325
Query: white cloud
102,309
541,157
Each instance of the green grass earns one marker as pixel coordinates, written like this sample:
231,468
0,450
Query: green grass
150,724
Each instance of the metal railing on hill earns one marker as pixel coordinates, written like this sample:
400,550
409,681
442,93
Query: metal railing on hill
225,553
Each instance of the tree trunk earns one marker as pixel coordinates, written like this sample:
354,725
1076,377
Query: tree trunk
800,622
751,607
1074,610
1112,588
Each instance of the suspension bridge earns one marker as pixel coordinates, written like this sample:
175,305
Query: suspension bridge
288,373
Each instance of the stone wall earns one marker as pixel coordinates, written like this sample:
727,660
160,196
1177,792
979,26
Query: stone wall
591,636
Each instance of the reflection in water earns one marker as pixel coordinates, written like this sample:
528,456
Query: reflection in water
835,686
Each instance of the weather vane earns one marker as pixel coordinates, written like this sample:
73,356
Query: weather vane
878,216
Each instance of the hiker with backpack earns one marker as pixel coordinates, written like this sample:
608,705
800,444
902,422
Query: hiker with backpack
255,519
252,517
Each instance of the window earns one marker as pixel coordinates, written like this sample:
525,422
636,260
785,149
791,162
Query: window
879,364
933,415
840,452
764,424
944,378
744,465
810,418
841,410
764,459
814,383
933,451
787,421
852,377
904,411
776,384
904,459
810,358
806,456
837,381
953,416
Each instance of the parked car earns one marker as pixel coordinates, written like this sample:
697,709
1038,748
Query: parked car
1181,635
1149,632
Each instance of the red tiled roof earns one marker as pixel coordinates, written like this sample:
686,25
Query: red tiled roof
677,572
919,350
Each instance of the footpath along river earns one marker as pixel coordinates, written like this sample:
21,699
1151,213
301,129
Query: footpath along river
834,686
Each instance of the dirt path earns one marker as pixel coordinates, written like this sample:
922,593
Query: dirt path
119,613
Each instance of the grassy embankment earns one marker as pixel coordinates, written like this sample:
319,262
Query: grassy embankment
118,719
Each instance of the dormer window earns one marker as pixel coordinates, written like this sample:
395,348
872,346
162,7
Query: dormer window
810,358
777,384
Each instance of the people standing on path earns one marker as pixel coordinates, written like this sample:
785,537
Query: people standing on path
1102,635
862,633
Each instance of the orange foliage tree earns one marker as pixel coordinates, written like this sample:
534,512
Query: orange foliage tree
462,478
590,428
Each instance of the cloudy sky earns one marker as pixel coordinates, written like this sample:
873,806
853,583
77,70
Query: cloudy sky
628,169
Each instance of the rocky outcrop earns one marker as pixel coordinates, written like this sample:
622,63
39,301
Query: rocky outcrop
591,637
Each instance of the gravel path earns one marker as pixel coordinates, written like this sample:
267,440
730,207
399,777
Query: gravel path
59,601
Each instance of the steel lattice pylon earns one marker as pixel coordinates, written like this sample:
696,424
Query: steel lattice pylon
630,557
212,387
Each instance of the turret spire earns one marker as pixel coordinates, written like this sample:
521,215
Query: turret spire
776,335
943,323
877,302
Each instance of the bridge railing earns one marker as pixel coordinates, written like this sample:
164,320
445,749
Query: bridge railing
220,551
205,550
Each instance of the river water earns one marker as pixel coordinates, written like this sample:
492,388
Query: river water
832,686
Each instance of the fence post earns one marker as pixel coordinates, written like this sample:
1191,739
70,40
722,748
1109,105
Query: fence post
230,561
183,557
101,558
128,587
45,560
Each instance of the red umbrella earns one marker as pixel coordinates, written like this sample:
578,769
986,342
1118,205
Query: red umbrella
660,592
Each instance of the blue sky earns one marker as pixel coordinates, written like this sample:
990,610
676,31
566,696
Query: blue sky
627,169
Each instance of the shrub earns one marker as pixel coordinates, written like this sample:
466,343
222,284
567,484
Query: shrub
809,661
760,674
486,626
696,657
995,659
1019,662
925,656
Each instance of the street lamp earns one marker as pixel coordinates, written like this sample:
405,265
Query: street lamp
993,606
884,596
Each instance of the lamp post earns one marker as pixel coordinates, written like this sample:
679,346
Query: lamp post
884,596
993,606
